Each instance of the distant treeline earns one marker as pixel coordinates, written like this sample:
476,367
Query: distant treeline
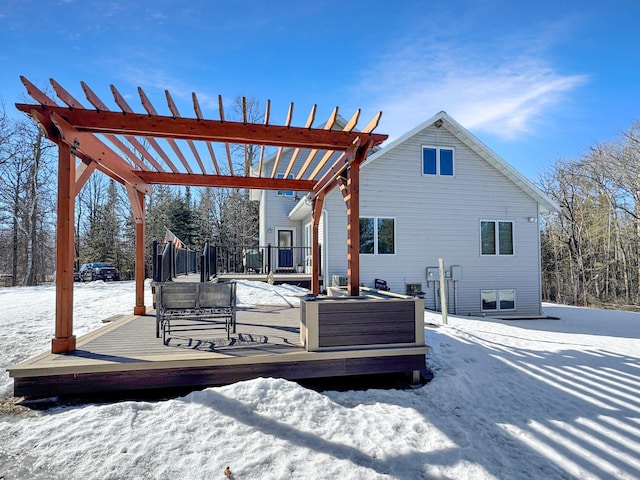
591,248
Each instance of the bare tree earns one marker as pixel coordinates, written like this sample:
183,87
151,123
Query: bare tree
591,248
24,176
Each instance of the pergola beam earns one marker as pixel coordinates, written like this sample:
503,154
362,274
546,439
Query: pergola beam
224,181
99,152
53,134
189,128
84,169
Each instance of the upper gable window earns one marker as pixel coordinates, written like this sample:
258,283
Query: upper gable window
437,161
284,193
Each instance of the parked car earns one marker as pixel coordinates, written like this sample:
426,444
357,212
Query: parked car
98,271
76,277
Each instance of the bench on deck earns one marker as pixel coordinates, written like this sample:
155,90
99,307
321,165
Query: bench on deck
187,306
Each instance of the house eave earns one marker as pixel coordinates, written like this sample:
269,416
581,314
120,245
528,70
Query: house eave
301,210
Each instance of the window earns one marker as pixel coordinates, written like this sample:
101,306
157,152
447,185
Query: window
377,236
284,193
496,238
498,300
367,236
437,161
386,236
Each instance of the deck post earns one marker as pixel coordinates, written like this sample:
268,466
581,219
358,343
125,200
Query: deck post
140,308
316,213
353,229
64,340
268,258
136,199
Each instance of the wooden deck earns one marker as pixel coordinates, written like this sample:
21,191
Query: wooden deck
125,355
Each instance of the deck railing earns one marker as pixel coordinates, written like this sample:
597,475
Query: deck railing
169,261
207,262
261,259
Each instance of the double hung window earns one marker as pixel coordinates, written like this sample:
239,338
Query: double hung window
496,237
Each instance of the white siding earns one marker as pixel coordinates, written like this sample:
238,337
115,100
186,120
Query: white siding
439,217
335,235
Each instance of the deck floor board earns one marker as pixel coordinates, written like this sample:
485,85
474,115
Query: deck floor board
259,330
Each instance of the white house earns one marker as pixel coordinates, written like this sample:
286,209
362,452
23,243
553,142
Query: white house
436,192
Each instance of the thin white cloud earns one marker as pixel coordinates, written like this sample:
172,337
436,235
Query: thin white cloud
154,82
501,93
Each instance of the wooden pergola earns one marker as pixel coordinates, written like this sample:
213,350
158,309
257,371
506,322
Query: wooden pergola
124,146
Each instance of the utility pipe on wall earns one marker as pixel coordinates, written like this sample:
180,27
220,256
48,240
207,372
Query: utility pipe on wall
443,292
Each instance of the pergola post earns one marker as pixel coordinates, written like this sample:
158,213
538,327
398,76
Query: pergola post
136,199
64,340
140,308
353,229
316,213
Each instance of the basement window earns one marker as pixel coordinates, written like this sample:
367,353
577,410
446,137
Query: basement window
494,300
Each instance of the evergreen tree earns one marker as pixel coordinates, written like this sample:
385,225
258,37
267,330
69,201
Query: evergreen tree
181,218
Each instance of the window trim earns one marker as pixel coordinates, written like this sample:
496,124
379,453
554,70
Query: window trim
438,161
375,235
496,239
497,293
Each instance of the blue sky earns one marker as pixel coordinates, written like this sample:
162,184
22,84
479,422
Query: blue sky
535,81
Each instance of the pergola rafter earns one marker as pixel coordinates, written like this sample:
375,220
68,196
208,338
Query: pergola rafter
96,102
115,143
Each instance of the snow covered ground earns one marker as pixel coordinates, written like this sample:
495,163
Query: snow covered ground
542,399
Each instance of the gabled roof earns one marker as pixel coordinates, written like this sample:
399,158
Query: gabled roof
545,203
